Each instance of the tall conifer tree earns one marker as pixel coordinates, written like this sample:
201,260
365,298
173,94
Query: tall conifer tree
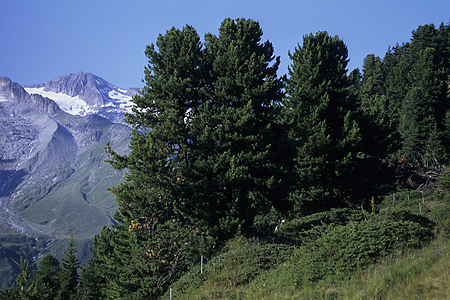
416,87
323,131
160,137
232,167
68,275
46,277
157,238
201,156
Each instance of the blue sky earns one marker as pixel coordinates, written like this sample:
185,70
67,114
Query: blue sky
41,40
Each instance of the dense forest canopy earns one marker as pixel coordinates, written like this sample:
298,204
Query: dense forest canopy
221,146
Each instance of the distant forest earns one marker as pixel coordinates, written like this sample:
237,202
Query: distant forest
222,147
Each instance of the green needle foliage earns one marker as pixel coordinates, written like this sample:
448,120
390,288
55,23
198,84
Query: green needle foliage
322,125
23,288
416,86
46,277
232,168
68,275
202,141
50,280
202,164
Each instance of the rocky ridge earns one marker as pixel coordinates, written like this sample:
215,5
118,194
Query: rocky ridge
53,178
93,93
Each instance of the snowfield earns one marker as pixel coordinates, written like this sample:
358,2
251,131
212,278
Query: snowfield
71,105
116,99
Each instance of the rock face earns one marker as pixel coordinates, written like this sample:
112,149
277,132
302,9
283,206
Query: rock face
53,178
97,95
85,85
13,91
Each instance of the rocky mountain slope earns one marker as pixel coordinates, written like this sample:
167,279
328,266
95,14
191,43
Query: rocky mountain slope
84,93
53,178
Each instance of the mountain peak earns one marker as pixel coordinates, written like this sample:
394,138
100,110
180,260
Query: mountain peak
83,85
11,90
86,93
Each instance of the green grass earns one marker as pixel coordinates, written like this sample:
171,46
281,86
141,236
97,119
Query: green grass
334,255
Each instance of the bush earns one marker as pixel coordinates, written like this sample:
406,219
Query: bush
308,228
444,184
341,249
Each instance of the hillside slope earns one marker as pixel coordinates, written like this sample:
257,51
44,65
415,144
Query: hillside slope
392,250
53,178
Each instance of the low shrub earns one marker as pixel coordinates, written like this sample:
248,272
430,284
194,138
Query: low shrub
342,249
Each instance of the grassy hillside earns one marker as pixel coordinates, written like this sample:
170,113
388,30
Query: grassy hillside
389,250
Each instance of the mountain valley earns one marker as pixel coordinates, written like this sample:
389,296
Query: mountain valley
53,178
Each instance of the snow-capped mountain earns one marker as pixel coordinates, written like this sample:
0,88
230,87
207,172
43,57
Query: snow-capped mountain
53,176
84,93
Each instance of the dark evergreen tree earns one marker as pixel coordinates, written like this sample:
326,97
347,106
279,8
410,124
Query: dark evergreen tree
92,281
446,133
417,70
23,288
68,275
157,238
376,121
208,155
414,120
427,73
160,139
373,80
379,138
46,277
201,165
397,66
232,167
323,129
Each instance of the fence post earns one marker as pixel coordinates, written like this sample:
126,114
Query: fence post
394,196
201,264
170,293
420,208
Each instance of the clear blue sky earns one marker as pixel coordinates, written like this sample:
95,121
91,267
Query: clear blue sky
41,40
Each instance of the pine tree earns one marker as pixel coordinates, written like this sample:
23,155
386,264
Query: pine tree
23,288
208,156
68,275
46,277
397,64
233,170
422,103
377,127
160,138
323,130
157,239
373,80
201,165
416,89
92,281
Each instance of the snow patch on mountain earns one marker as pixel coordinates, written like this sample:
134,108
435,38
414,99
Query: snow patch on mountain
84,93
68,104
117,97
